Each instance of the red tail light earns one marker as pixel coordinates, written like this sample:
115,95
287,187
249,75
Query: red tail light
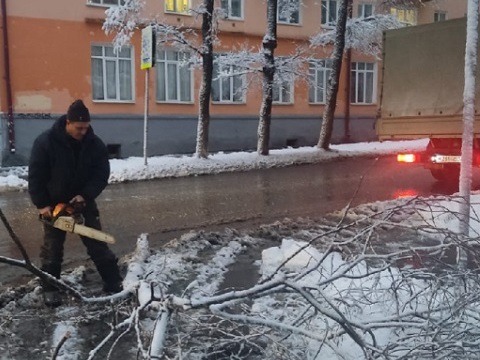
476,159
408,158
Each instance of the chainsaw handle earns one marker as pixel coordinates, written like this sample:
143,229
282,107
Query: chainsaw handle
77,206
45,219
72,210
46,211
58,210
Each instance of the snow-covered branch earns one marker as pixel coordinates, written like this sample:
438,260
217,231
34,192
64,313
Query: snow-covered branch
124,20
362,34
350,287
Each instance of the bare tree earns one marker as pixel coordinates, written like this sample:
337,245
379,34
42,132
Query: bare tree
361,34
269,44
206,86
125,19
333,81
469,94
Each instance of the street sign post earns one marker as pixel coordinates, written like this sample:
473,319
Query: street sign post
147,62
148,48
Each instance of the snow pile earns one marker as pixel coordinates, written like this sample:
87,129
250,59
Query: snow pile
444,214
354,303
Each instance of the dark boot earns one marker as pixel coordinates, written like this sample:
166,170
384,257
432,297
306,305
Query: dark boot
52,298
110,273
112,288
51,295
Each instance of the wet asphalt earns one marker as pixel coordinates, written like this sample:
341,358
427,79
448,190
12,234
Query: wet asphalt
167,208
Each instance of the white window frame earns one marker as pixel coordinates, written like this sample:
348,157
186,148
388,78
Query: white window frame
292,20
117,59
227,7
226,86
168,61
282,92
439,16
362,10
105,3
319,73
282,88
363,83
176,10
325,19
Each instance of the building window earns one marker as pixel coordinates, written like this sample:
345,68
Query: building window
177,6
288,12
319,72
363,89
329,12
282,91
439,16
112,73
106,2
405,16
227,88
174,76
233,8
365,10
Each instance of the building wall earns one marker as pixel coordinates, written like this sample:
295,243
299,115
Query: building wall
50,66
452,9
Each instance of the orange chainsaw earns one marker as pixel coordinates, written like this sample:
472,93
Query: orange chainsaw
68,217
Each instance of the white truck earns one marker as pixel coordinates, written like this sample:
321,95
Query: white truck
421,94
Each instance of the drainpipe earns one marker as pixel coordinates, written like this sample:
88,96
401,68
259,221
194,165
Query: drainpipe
8,84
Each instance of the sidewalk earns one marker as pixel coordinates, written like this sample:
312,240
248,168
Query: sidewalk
134,169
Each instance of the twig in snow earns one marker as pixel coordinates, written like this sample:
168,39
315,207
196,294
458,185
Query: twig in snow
60,344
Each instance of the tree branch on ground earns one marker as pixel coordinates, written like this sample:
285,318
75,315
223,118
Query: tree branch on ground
343,289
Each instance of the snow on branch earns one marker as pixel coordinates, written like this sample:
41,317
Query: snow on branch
327,303
123,20
251,62
371,282
288,10
362,34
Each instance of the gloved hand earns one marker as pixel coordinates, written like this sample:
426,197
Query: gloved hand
78,204
77,199
45,212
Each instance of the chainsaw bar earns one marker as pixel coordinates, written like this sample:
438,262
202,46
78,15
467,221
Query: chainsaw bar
68,224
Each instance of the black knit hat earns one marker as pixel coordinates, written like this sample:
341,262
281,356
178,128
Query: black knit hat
78,112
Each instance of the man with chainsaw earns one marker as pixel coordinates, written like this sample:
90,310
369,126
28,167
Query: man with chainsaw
69,165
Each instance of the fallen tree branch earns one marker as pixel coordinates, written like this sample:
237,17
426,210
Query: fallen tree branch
62,341
14,237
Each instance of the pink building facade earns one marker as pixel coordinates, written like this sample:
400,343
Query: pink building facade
55,51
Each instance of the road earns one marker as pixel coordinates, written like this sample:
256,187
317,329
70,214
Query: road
166,208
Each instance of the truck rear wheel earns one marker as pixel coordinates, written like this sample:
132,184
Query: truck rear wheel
449,174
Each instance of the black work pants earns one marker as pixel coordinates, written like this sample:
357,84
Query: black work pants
51,252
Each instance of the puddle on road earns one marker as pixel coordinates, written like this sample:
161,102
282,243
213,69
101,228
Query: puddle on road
242,274
245,271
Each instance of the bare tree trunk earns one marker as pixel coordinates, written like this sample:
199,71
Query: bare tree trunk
332,90
348,81
269,45
206,86
468,124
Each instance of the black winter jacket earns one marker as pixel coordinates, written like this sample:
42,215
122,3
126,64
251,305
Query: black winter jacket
54,173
